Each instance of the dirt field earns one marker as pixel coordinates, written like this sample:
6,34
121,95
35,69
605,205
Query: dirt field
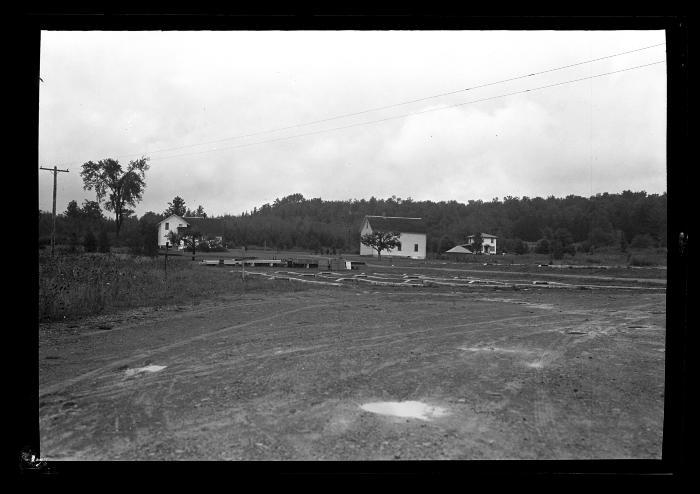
504,367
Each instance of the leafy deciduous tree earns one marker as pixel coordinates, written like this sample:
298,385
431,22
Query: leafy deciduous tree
120,187
189,238
561,242
90,242
477,242
91,211
72,210
380,241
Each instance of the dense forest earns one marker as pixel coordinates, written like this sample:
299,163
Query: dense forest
295,222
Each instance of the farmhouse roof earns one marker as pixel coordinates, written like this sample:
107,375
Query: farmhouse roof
396,224
458,249
484,235
167,218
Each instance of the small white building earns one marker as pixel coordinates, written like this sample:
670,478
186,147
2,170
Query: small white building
488,244
412,235
170,224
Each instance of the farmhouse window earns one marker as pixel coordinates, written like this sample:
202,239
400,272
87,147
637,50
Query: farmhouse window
398,246
167,226
415,247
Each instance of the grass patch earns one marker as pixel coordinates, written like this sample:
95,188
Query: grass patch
642,261
71,286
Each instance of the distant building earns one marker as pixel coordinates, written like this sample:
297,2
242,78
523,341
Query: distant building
488,245
209,228
170,224
412,235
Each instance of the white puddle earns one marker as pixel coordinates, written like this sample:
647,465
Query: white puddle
535,365
148,368
410,409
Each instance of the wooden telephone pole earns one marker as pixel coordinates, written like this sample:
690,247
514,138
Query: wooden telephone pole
55,171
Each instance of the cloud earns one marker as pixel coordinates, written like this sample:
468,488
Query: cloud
458,153
112,94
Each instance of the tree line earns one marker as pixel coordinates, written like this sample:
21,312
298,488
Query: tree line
553,225
547,225
521,224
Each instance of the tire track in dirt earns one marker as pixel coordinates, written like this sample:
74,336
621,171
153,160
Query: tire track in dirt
54,388
216,364
279,350
172,317
349,346
353,344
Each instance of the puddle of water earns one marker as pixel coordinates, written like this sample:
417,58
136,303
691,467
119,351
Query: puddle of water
148,368
409,409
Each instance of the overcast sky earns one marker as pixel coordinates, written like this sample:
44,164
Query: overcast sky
168,95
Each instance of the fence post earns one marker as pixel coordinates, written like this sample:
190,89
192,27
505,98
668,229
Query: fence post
167,246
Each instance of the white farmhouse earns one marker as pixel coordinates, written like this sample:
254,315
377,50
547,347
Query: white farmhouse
169,224
488,244
412,235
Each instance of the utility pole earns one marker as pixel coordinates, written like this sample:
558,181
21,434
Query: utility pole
55,171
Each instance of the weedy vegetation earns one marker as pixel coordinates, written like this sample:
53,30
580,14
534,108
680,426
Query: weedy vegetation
71,286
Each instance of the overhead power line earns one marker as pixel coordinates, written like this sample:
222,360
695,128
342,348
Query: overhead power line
277,139
386,107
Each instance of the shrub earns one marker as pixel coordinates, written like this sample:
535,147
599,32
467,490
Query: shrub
74,286
557,251
103,242
585,246
133,242
600,237
73,242
641,261
642,241
90,242
623,242
542,246
520,247
148,232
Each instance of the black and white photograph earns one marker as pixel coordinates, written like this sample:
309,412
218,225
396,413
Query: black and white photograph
354,245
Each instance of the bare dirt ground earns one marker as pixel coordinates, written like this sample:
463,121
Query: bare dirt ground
529,373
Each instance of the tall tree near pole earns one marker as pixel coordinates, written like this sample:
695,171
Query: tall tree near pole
120,188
